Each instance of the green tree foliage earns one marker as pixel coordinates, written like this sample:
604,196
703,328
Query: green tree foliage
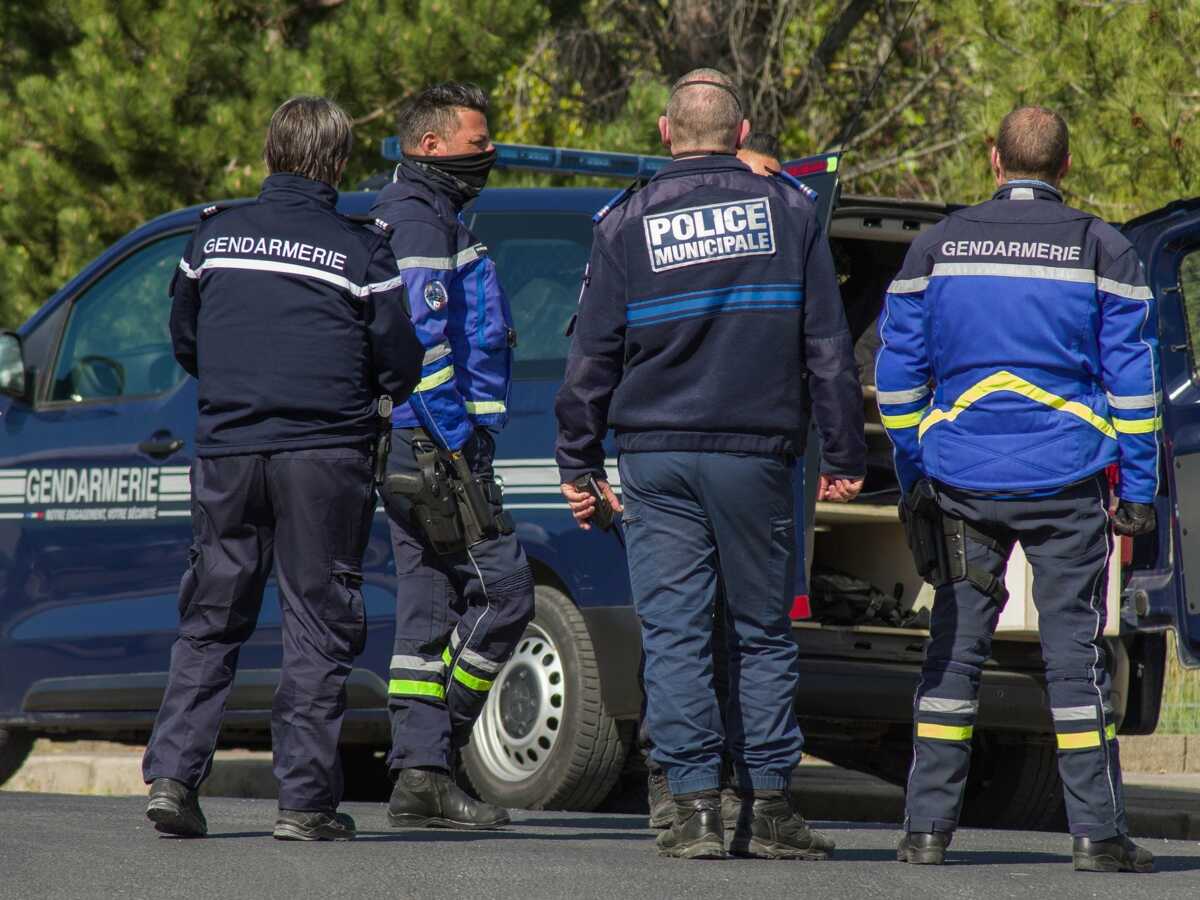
114,111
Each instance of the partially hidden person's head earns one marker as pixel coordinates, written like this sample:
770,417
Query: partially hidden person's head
704,115
760,151
1032,143
446,126
311,137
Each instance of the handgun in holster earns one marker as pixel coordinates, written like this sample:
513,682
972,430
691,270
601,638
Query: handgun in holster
383,443
939,543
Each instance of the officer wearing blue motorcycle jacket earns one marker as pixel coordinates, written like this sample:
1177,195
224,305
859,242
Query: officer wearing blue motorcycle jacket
1019,361
708,324
294,320
461,605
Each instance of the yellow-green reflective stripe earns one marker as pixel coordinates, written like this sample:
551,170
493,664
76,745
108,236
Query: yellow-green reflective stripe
1083,739
408,688
1007,381
908,420
446,656
1137,426
832,165
485,407
439,377
945,732
1111,732
475,684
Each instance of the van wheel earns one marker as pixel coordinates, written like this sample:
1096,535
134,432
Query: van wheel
15,745
544,739
1014,783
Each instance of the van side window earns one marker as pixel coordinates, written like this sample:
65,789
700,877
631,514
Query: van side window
117,342
1189,291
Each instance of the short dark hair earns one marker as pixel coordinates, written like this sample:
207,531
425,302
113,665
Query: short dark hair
704,111
762,142
309,136
434,110
1033,142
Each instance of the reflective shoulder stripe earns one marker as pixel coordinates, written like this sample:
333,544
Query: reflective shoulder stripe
1014,270
908,420
441,376
435,353
943,705
380,287
1137,426
944,732
485,407
443,263
1135,401
909,396
1129,291
908,285
282,268
188,270
404,688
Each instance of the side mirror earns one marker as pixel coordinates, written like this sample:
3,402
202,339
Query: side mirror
13,379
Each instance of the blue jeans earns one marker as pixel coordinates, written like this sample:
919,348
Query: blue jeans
697,524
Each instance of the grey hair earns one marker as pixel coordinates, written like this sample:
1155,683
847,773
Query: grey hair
309,136
436,109
1033,142
704,116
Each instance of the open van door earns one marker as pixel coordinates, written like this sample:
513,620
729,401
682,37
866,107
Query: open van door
1168,241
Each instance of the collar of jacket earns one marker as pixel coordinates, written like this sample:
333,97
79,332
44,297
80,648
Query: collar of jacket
288,188
709,162
429,178
1028,189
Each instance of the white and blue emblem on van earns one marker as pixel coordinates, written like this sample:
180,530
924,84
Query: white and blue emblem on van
704,234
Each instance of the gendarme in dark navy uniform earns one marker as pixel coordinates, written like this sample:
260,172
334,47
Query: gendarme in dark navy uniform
294,320
708,326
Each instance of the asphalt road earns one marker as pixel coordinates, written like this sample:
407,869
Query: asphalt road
98,847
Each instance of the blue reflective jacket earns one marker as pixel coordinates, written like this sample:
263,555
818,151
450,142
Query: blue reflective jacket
460,311
1020,351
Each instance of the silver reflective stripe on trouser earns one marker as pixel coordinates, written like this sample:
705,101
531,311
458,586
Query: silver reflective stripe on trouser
416,664
953,707
483,664
433,354
1077,713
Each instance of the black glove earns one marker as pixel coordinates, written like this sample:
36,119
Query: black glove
1134,518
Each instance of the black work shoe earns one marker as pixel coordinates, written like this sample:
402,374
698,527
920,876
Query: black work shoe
923,848
695,831
773,830
174,808
313,825
658,794
426,798
737,808
1118,854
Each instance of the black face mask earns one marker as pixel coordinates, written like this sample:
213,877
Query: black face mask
469,170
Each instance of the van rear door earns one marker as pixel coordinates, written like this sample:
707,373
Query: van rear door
1168,241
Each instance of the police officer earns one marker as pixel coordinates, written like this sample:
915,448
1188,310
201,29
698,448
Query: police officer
460,611
709,317
760,152
1018,361
294,320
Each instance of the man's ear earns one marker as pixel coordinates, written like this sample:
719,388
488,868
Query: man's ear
743,133
1066,168
430,144
997,167
664,131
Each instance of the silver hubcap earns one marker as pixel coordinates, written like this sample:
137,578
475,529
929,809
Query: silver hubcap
523,714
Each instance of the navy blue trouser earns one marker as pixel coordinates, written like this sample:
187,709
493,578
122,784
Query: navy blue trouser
697,524
1067,540
458,619
310,512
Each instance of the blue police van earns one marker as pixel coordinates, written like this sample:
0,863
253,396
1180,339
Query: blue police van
97,422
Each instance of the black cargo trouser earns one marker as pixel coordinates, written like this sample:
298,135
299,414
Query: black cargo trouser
310,512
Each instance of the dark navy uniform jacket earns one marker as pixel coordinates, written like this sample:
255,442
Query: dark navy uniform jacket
460,311
710,320
294,320
1020,351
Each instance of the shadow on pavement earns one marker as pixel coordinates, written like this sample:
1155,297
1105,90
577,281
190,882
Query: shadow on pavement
446,835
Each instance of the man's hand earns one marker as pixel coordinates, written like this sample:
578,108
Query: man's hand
833,489
1132,519
583,504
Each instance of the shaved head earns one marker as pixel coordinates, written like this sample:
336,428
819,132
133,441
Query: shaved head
704,113
1033,143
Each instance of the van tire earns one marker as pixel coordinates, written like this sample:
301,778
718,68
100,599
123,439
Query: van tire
15,744
588,750
1014,783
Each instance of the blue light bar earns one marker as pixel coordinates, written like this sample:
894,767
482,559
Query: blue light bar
563,160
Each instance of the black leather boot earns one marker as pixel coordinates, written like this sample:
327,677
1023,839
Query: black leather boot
695,831
314,825
174,808
428,798
923,848
774,830
658,795
1118,854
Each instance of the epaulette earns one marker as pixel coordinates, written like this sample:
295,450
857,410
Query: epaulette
370,220
617,199
799,185
209,211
